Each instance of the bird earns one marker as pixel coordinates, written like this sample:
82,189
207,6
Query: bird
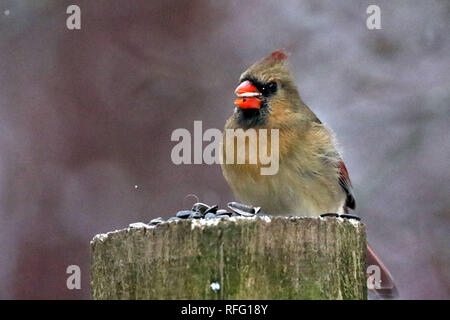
312,178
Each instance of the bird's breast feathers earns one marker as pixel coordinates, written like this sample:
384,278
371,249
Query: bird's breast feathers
307,181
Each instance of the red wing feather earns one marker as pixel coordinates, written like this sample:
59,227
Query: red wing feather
346,184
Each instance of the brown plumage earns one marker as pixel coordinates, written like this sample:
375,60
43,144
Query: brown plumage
312,178
308,180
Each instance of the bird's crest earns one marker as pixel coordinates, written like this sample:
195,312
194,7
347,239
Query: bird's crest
277,55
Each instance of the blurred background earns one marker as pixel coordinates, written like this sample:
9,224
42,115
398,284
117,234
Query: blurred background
86,118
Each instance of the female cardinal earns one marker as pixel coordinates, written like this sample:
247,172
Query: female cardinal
312,178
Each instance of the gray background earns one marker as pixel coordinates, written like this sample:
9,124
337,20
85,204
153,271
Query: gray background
86,115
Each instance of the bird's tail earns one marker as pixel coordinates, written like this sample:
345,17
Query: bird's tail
380,281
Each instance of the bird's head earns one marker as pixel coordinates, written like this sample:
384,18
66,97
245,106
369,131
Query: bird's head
266,91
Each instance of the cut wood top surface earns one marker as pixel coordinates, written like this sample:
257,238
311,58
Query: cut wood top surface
261,257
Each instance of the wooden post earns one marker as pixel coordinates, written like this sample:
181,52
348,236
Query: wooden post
237,258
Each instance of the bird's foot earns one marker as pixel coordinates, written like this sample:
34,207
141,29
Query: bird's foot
344,216
350,216
328,215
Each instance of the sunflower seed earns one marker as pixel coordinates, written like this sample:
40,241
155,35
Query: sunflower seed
242,209
138,225
222,212
196,215
212,209
156,221
200,207
184,214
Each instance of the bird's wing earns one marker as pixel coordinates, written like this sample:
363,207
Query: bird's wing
346,184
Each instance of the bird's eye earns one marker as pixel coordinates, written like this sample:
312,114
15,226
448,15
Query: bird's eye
269,88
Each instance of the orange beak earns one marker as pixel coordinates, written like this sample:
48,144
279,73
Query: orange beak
247,96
